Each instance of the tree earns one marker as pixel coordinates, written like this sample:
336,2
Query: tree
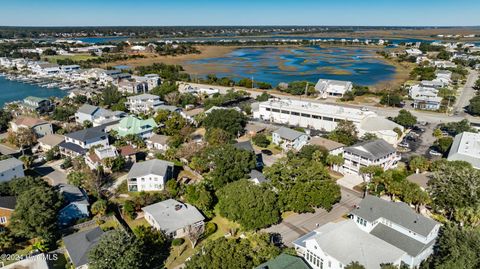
256,208
263,97
63,113
165,88
468,216
117,249
334,161
345,132
19,185
311,152
5,118
454,186
457,248
261,140
35,213
76,178
87,124
394,100
216,136
129,209
354,265
454,128
474,106
235,253
443,144
155,245
7,241
405,118
200,196
369,137
110,96
437,133
27,161
228,120
25,137
99,208
418,164
302,184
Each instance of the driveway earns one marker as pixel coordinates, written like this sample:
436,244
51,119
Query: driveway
52,172
467,93
349,181
297,225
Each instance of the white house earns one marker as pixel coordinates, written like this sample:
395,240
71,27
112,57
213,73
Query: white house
378,232
78,143
333,88
289,139
11,168
413,52
95,158
151,80
143,103
444,64
375,152
38,126
149,175
174,218
132,86
50,141
97,115
325,117
466,147
425,97
158,142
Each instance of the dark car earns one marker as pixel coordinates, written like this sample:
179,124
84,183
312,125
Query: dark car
267,152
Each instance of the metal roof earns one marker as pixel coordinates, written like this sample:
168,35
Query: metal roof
371,150
155,166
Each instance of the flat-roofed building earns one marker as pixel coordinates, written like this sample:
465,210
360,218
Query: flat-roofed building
333,88
466,147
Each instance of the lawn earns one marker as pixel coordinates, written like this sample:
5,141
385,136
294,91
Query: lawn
136,222
75,57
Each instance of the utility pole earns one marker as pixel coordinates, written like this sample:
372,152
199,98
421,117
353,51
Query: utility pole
252,82
306,89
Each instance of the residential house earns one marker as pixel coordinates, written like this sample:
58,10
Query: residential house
39,127
151,80
7,206
129,153
333,88
46,69
257,177
133,126
252,129
399,225
79,245
97,156
97,115
413,52
174,218
150,175
37,104
285,261
247,145
34,261
143,103
158,142
289,139
375,152
201,91
466,147
50,141
425,97
11,168
378,232
79,142
132,87
75,207
333,147
325,117
444,64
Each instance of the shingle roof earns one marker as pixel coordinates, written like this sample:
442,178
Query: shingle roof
285,261
8,202
172,215
372,150
326,143
9,164
143,96
155,166
401,241
346,242
29,121
87,134
51,139
72,147
288,133
159,139
245,145
255,174
87,109
79,244
73,194
372,208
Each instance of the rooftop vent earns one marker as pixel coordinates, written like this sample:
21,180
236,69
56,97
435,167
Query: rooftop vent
178,207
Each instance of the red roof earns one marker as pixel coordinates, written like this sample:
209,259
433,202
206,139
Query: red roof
127,150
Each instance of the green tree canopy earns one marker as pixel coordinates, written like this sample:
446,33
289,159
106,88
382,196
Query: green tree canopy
405,118
253,206
228,120
345,132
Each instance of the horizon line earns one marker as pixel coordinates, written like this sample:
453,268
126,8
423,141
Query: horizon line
240,25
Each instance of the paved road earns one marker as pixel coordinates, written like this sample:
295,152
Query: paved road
52,172
467,93
299,224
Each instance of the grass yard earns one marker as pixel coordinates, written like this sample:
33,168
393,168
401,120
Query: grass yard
136,222
75,57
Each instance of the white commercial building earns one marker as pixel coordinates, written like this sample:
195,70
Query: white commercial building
466,147
325,117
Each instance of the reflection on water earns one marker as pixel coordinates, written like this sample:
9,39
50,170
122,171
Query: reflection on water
281,64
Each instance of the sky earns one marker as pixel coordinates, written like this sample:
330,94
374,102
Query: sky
239,12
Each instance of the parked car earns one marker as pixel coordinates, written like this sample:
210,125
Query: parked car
267,152
435,153
404,144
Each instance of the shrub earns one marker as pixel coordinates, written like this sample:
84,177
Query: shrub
178,241
210,228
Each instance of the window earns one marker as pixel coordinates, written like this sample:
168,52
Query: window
305,115
275,110
327,119
316,117
3,220
268,109
295,113
285,112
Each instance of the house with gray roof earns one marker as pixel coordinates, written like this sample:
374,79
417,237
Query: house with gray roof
76,204
466,147
399,225
151,175
284,261
143,103
335,245
174,218
289,139
333,88
78,245
79,142
376,152
37,104
11,168
97,115
257,177
7,206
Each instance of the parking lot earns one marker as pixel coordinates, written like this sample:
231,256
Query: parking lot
418,142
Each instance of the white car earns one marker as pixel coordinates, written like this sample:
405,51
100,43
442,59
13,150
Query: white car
435,153
404,145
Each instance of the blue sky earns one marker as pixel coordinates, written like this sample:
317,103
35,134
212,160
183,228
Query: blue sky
239,12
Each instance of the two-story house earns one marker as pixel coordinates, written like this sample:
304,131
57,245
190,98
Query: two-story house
11,168
150,175
79,245
7,206
76,204
378,232
39,127
376,152
143,103
97,115
78,143
37,104
289,139
174,218
133,126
